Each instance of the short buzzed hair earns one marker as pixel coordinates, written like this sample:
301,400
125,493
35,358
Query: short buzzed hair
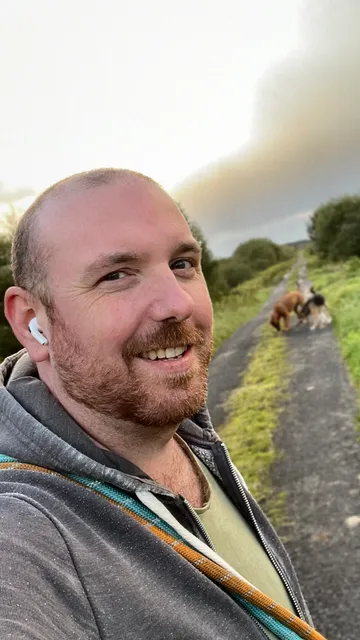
30,255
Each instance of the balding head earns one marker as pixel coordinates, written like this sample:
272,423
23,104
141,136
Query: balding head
31,250
118,272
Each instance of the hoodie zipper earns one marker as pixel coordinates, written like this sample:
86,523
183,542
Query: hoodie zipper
258,530
199,524
210,544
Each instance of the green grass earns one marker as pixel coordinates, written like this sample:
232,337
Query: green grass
253,416
291,284
254,407
340,283
245,301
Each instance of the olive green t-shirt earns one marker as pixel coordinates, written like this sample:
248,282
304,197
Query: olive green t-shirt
235,541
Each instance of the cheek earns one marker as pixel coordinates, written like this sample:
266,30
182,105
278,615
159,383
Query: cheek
98,328
203,310
116,323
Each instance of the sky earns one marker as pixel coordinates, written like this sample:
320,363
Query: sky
247,113
304,145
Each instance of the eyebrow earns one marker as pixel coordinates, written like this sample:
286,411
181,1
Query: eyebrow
187,247
106,261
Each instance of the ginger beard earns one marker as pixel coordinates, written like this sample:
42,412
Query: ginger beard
120,388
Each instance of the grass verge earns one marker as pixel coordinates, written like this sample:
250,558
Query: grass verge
245,301
340,283
253,415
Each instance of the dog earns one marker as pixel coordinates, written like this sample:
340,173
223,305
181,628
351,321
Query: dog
316,309
291,301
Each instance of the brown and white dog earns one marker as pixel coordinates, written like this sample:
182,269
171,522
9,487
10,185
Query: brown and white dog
292,301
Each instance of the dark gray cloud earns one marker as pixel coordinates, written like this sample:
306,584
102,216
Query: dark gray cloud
8,196
305,145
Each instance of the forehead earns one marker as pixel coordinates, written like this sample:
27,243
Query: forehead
137,217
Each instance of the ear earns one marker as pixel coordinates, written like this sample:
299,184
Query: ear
19,309
275,324
274,321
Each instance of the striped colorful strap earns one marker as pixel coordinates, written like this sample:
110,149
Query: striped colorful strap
283,623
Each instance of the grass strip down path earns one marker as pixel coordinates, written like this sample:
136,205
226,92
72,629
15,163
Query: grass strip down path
253,416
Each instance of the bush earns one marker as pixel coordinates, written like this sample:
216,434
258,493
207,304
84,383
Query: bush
8,342
353,266
334,229
237,272
260,253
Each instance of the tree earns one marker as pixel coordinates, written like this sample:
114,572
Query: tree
334,228
208,264
207,258
8,342
10,221
5,250
260,253
235,272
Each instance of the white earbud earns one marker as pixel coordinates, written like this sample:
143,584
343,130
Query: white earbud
34,330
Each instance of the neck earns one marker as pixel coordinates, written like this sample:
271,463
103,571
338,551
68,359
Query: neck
149,448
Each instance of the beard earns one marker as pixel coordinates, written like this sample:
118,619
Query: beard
118,390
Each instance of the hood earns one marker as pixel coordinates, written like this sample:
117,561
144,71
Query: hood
25,403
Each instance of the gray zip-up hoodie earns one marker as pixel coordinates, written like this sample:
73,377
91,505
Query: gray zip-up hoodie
73,566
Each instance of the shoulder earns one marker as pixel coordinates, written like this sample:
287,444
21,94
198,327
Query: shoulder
23,521
37,572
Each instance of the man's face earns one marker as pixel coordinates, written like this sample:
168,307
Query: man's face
131,335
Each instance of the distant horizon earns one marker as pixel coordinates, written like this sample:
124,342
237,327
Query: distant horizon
280,244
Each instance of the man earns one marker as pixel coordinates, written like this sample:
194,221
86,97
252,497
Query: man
105,437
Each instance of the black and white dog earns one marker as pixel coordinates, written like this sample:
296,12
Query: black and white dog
315,309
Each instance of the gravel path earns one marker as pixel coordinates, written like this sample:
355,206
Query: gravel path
320,470
319,467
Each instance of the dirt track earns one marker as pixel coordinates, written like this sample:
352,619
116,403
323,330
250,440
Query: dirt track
319,468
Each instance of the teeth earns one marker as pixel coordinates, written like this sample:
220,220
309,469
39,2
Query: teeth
162,354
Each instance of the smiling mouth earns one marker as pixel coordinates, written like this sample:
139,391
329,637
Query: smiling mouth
170,353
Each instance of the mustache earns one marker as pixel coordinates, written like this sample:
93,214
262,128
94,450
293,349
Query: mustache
169,335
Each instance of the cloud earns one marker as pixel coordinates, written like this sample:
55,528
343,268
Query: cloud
305,143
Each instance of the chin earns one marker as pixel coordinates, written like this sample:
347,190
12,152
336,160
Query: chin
166,411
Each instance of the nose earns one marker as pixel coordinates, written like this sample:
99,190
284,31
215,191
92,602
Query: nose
169,299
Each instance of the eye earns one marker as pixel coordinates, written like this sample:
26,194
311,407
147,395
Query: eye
182,263
116,275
